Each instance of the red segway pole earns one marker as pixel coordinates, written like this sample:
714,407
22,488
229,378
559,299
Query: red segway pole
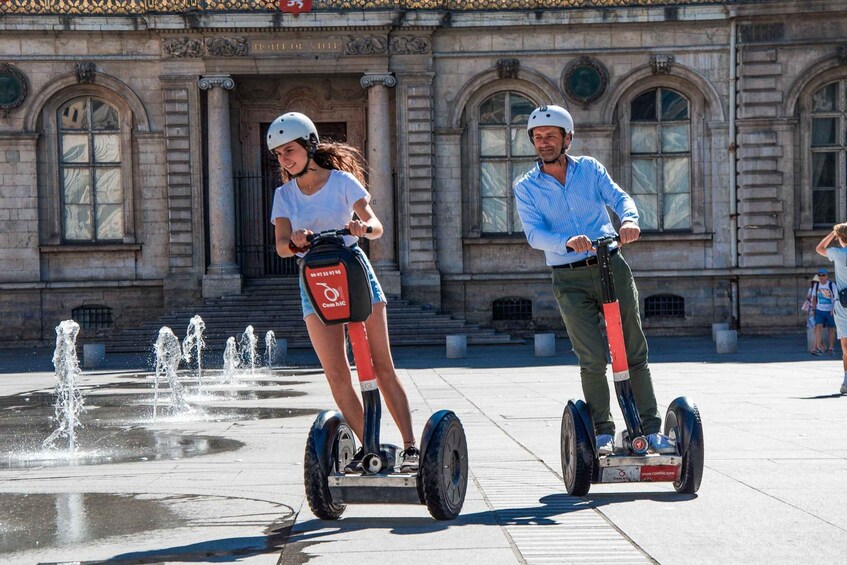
373,461
617,347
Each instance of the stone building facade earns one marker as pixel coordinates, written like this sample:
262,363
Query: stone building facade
134,176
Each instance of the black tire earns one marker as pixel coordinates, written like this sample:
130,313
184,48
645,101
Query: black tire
315,479
577,453
692,446
444,469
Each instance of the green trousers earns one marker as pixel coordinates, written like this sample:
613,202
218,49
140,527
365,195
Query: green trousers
579,295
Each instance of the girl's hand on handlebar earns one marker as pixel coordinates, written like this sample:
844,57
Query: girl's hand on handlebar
579,243
629,233
358,228
299,239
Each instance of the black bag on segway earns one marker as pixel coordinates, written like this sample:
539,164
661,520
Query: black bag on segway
336,282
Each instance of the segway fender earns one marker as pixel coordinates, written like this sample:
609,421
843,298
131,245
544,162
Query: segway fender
585,417
325,428
687,419
431,424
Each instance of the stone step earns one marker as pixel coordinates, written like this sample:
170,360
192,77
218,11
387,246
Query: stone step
275,304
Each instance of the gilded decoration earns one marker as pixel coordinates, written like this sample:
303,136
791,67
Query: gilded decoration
138,7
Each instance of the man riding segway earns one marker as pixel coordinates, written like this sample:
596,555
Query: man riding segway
562,203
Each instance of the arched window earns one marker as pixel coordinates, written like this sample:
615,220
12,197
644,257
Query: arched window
660,157
505,153
829,145
92,195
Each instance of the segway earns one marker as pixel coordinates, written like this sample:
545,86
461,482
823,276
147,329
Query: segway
336,282
630,462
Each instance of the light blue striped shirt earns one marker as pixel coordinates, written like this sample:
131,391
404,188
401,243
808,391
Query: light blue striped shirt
552,213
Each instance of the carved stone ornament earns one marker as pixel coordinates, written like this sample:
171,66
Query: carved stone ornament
14,88
584,80
368,81
409,45
85,72
508,68
226,46
661,63
221,81
365,45
182,47
841,53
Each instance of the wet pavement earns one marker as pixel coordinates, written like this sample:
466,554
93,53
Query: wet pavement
224,483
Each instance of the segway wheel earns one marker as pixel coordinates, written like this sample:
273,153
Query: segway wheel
444,469
680,415
315,478
577,453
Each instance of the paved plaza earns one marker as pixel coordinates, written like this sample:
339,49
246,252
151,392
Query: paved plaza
225,483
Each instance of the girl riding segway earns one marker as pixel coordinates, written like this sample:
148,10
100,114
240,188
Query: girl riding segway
324,189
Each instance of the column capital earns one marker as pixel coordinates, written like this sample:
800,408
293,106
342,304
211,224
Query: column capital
209,82
385,79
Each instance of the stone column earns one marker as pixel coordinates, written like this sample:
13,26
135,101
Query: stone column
222,275
380,184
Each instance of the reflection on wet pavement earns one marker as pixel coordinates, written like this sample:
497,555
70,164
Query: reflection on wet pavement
240,527
115,419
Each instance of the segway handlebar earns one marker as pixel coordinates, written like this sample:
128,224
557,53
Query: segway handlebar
332,233
605,240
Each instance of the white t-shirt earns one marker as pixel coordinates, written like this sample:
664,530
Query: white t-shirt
329,208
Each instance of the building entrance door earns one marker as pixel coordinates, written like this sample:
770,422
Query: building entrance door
254,193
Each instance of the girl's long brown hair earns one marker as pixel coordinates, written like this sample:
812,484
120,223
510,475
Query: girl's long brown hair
840,231
337,156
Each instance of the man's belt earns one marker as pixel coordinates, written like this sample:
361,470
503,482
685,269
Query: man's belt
585,262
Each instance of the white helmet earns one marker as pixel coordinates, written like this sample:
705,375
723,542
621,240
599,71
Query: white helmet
550,116
291,126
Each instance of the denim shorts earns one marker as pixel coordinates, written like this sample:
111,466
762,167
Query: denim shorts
376,289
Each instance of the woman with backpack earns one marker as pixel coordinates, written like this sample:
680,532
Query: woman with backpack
838,256
823,296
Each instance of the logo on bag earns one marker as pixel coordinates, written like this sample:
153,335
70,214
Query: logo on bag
331,294
328,289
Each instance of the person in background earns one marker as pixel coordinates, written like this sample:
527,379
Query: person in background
324,189
822,302
838,256
563,202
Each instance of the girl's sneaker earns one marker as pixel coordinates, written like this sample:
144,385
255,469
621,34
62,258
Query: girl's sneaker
411,460
817,352
830,352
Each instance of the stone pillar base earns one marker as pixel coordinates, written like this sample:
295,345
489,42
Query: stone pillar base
389,278
215,286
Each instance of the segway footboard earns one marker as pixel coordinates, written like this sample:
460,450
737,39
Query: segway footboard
638,468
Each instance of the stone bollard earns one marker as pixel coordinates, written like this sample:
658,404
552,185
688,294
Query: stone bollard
93,355
545,345
726,341
718,327
457,346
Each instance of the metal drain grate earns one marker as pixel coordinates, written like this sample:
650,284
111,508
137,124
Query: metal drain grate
545,523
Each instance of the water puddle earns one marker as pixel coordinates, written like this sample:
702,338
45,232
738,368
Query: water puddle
139,528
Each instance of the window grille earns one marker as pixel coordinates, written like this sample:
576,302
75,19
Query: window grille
93,317
512,309
665,306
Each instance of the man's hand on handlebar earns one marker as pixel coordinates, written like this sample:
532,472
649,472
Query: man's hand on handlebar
629,232
579,243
